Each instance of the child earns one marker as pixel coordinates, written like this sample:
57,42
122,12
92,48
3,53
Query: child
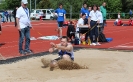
118,22
130,22
115,23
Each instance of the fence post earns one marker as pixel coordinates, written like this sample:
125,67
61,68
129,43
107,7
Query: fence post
70,12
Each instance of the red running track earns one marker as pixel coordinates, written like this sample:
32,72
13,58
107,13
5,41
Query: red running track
122,38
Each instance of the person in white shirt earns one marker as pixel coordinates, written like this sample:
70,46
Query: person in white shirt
23,26
100,17
80,23
92,23
41,15
115,23
119,16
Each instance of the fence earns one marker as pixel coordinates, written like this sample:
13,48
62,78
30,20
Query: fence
109,15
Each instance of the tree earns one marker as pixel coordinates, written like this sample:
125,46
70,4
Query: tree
43,4
127,5
11,4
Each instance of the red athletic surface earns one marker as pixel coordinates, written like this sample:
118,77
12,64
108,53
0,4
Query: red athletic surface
122,37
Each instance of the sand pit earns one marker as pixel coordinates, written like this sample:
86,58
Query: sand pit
104,66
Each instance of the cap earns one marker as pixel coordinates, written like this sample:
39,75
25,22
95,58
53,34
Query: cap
25,1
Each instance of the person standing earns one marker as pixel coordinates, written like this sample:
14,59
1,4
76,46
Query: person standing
130,13
3,17
23,26
93,21
61,16
89,9
10,15
104,13
84,10
100,17
14,15
6,15
119,15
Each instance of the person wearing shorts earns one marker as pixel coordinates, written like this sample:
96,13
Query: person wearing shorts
61,16
65,51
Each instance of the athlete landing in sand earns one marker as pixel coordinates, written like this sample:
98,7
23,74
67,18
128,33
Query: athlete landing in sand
65,51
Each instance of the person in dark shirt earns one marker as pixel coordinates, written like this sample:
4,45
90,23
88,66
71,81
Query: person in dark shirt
14,15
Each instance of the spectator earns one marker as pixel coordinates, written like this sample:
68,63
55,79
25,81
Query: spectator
80,23
100,17
89,9
130,22
10,15
119,15
130,13
84,10
104,13
14,15
6,15
41,15
93,21
3,17
23,26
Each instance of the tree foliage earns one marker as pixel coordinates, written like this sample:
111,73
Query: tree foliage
113,6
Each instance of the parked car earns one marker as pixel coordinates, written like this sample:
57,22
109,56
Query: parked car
47,13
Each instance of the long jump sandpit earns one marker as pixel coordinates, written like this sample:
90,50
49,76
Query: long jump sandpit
103,66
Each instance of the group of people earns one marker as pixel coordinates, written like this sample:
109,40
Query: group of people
119,22
91,17
6,15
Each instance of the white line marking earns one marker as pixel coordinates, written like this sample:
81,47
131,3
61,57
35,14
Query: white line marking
31,24
119,31
125,46
121,45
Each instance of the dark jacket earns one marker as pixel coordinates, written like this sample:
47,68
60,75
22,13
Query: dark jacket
14,13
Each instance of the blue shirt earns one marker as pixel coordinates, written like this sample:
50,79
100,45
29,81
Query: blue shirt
130,12
60,13
85,11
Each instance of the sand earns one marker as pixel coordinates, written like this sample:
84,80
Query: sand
104,66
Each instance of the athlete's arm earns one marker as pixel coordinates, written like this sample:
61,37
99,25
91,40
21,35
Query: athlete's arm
89,19
68,48
53,48
64,16
55,12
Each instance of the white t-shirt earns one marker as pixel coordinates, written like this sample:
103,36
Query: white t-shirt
41,13
116,20
119,16
100,17
94,15
80,22
24,18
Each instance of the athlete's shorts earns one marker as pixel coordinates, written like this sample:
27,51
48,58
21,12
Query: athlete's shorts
59,58
60,23
61,55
